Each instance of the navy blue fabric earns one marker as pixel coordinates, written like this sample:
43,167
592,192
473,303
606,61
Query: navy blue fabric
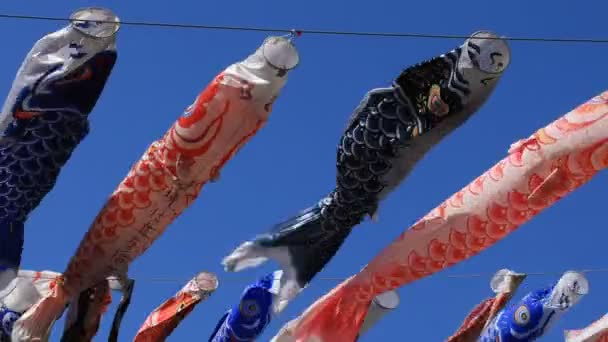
36,145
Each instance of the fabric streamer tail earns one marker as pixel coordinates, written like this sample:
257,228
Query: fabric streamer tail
300,245
36,323
20,294
595,332
357,312
84,313
126,287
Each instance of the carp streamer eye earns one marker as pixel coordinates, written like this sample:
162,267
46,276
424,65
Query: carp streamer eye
435,104
522,315
249,308
81,74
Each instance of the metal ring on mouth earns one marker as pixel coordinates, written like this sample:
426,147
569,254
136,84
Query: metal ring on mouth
499,47
206,282
95,22
387,300
280,53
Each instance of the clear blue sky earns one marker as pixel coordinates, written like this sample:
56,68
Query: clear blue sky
290,164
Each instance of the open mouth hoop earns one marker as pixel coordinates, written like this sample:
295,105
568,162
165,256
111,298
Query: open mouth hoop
206,282
498,45
95,22
280,53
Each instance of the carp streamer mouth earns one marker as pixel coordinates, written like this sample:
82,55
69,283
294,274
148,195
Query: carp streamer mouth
488,52
280,54
95,22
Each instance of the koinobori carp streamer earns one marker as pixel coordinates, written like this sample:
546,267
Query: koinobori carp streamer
504,283
84,313
537,172
595,332
246,321
170,175
388,133
535,314
45,117
164,319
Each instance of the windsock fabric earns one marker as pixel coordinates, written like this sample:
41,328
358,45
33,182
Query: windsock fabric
164,319
504,284
381,305
21,293
534,315
537,172
126,287
595,332
84,313
170,175
387,134
45,117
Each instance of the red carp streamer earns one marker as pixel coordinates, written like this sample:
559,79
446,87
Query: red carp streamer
164,319
169,176
537,172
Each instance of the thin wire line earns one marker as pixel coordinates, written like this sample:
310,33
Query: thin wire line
453,276
321,32
311,31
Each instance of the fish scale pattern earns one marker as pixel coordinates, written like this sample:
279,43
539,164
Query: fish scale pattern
537,172
30,162
38,142
386,121
386,135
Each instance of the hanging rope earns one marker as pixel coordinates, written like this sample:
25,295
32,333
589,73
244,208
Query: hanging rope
317,32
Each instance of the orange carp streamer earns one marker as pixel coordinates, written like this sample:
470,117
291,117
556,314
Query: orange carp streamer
164,319
169,176
537,172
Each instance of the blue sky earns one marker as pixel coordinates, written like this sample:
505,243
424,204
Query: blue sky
290,164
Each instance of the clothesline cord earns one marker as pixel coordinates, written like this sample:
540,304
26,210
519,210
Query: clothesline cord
452,276
317,32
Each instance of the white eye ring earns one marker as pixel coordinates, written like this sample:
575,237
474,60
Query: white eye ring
522,315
